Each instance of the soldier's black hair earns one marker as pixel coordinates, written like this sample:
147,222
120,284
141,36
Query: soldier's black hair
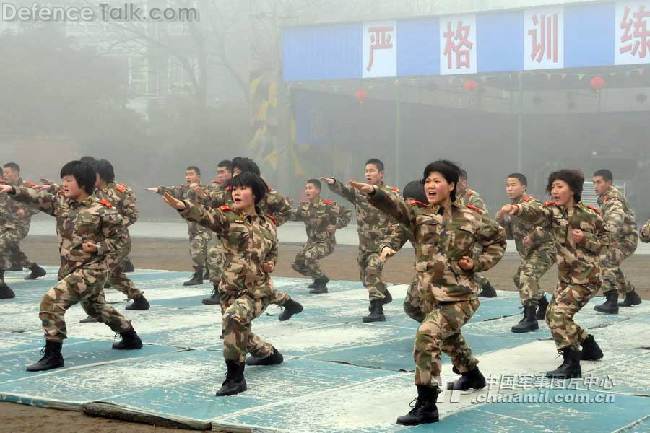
462,173
83,172
13,166
377,163
605,174
415,190
574,178
90,160
194,168
226,163
316,183
520,177
449,170
245,164
105,170
246,179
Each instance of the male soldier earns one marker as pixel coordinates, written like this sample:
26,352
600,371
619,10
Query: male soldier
621,225
372,227
467,196
22,217
91,233
122,198
216,252
199,236
7,227
537,253
273,204
322,218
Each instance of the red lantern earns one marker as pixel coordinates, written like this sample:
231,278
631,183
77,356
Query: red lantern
470,85
361,94
597,83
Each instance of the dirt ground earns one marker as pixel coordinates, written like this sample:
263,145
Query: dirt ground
173,255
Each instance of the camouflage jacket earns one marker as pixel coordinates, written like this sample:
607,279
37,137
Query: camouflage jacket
249,241
373,227
91,219
183,192
21,212
319,217
619,219
645,232
123,199
519,229
440,243
472,197
577,264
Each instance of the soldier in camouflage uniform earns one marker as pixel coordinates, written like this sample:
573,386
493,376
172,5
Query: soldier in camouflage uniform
468,197
91,234
537,253
250,241
322,218
452,242
621,224
7,227
199,236
122,198
272,204
372,227
580,236
22,215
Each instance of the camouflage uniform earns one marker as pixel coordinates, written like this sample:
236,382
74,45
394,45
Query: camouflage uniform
450,291
319,217
246,289
536,258
7,231
122,198
199,236
644,234
22,214
621,224
372,227
578,265
82,275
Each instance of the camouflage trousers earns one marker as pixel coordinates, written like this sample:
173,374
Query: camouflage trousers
5,243
118,279
306,261
416,304
528,274
440,332
238,338
216,262
199,248
370,269
567,300
10,253
612,275
81,285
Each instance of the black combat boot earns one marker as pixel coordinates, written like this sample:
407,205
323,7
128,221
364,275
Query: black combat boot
529,322
5,291
235,381
127,266
139,303
610,306
472,379
542,306
319,286
52,357
291,307
37,272
591,350
130,340
196,279
388,298
570,365
274,358
487,291
376,312
214,298
424,410
631,298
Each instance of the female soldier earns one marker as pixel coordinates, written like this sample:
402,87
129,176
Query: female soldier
446,237
251,247
579,235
